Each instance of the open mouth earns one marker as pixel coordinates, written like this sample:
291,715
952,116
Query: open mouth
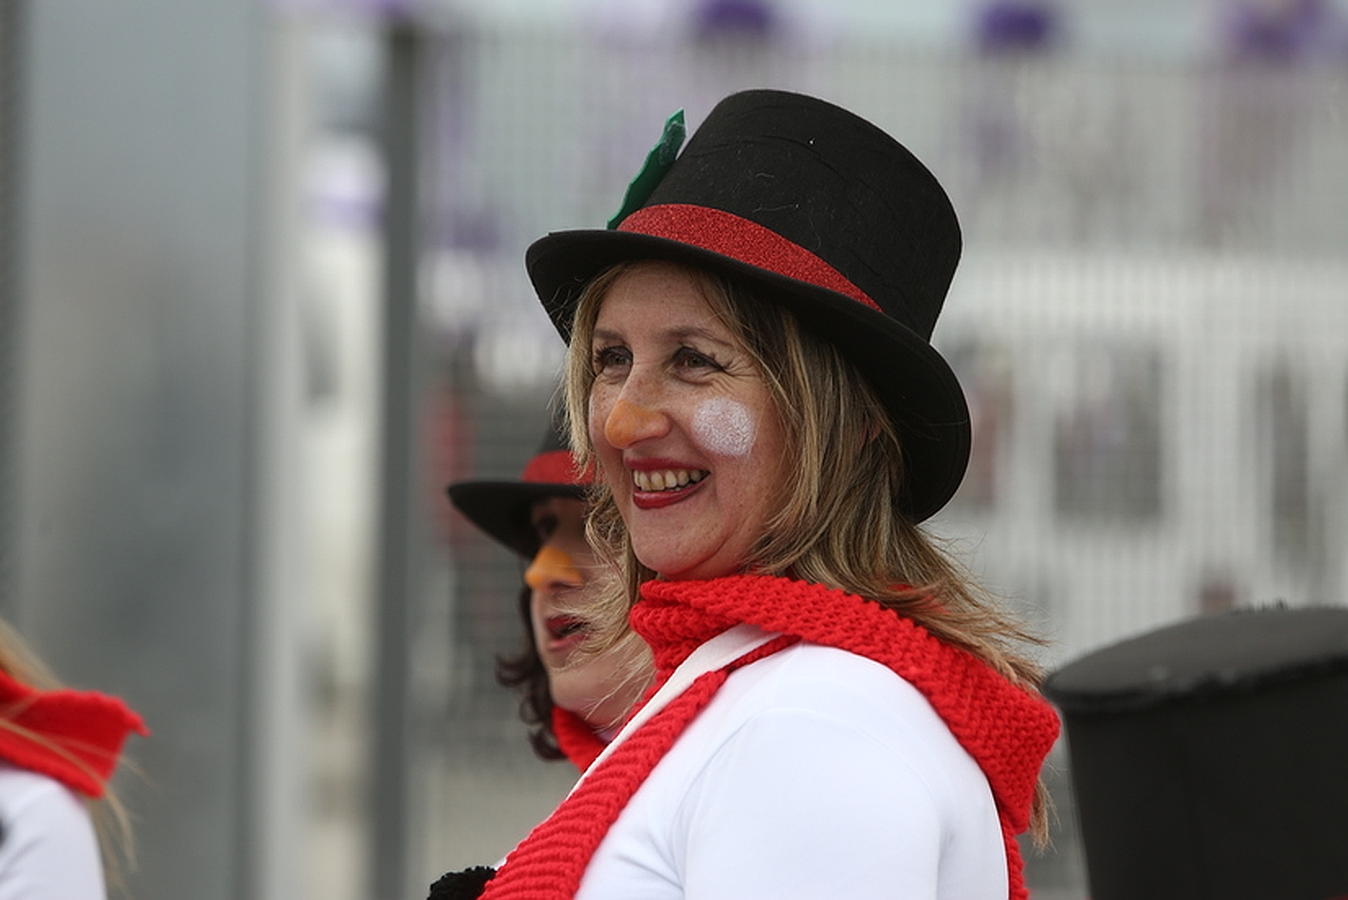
562,628
667,479
660,488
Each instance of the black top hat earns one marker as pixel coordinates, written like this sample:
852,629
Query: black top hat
501,508
816,209
1210,758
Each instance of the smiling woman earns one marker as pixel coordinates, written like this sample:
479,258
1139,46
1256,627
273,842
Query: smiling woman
839,710
680,405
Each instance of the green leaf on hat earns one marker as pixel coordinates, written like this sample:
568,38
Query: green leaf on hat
653,170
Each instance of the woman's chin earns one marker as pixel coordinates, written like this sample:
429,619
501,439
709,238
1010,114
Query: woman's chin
661,553
599,712
695,572
667,568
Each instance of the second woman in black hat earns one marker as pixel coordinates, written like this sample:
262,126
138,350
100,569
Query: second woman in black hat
839,711
572,704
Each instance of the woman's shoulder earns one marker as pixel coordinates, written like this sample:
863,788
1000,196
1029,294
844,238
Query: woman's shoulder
823,693
38,807
836,742
809,676
48,837
21,789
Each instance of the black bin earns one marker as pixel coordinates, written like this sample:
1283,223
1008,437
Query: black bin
1210,758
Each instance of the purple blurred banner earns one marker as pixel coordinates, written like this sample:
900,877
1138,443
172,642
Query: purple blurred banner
1283,32
738,18
1011,26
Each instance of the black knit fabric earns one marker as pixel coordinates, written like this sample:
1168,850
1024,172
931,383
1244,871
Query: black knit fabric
465,885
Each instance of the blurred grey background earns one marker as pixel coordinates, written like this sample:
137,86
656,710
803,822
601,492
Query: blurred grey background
261,298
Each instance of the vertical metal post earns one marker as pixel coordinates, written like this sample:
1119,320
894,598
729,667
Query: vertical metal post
399,537
12,20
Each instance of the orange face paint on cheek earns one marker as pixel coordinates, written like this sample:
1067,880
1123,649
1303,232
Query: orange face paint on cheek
552,565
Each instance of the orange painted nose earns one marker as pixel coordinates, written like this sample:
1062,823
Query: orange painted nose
552,566
629,422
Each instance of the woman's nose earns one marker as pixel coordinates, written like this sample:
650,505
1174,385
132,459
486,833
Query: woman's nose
629,422
552,567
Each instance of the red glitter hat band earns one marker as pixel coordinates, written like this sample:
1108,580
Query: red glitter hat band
555,467
742,239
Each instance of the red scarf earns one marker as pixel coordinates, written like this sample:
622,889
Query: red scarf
72,736
575,738
1008,731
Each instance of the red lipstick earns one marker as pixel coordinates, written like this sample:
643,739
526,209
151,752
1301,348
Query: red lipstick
563,632
658,499
642,499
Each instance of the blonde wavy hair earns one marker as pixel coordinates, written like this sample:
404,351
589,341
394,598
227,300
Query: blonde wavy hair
839,522
112,824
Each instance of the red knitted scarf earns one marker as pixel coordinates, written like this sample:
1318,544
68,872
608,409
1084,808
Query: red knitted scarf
1008,731
72,736
575,738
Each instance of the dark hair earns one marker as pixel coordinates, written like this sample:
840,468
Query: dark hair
526,672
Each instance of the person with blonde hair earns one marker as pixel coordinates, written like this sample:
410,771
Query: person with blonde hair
58,749
839,710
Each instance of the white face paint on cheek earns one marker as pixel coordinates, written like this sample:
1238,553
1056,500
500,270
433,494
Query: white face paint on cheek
723,427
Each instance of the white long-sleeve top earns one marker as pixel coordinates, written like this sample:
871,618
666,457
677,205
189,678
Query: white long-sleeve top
48,850
814,773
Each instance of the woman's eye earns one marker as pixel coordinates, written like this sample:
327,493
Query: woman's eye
545,526
688,358
608,357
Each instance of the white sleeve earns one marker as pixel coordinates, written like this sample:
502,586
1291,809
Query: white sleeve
801,805
48,850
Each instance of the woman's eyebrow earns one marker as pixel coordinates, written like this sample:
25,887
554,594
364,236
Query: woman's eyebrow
693,331
673,335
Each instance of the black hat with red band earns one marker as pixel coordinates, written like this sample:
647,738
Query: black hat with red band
502,508
814,208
